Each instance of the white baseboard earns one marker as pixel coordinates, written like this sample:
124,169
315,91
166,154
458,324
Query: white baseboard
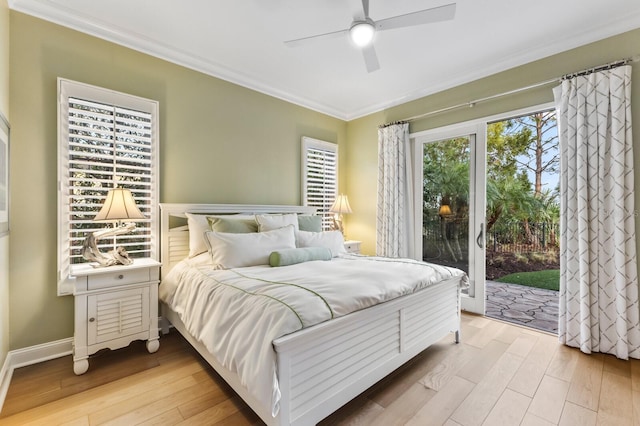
28,356
44,352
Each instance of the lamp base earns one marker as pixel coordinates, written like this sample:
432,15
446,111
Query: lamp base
119,256
337,224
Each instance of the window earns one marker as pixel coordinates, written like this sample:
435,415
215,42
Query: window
106,139
319,177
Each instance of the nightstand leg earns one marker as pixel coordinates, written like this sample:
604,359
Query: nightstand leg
80,366
153,345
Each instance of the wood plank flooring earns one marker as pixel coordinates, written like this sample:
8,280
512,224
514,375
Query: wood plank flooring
500,374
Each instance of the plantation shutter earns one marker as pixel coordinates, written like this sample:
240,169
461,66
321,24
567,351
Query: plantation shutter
320,177
106,140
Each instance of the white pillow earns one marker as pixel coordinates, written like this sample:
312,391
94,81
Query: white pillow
198,225
333,240
238,250
269,222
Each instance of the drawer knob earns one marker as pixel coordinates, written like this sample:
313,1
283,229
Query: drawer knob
120,277
92,319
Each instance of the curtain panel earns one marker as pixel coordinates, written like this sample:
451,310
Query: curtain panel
395,200
599,309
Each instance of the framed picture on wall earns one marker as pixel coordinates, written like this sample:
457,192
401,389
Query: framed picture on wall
4,175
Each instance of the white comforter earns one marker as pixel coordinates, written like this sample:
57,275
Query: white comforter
237,313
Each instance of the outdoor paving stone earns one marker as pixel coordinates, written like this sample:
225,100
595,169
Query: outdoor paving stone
521,305
543,292
528,306
503,293
512,313
501,300
546,317
536,297
516,292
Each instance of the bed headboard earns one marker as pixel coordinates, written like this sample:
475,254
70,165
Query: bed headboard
174,233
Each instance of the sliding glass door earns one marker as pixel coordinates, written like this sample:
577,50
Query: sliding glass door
450,203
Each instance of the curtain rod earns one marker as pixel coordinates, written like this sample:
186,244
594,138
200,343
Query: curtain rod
471,104
604,67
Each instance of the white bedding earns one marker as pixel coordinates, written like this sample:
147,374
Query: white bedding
237,313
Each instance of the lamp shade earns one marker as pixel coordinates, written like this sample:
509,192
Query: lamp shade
119,205
445,210
341,205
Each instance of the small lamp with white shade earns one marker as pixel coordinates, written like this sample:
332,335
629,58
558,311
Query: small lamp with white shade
119,206
340,206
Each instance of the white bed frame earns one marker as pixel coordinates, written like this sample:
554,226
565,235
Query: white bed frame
323,367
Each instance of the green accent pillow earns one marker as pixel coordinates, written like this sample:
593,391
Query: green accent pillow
287,257
233,225
310,223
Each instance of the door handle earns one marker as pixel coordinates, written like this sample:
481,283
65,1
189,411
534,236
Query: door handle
480,239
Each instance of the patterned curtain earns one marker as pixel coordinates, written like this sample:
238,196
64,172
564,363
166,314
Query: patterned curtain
395,200
599,309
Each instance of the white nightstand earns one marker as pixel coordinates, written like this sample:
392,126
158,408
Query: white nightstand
352,246
114,306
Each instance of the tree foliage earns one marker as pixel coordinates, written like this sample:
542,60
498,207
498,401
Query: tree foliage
516,149
541,154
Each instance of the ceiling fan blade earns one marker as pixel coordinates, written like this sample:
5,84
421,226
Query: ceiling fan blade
427,16
358,9
365,8
314,38
370,58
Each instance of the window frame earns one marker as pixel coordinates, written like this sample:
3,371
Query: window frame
322,209
72,89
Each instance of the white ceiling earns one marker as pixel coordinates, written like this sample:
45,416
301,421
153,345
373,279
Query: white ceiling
242,41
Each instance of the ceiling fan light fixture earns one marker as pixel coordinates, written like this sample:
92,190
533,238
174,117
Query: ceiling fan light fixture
362,33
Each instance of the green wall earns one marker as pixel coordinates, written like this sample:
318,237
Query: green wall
4,241
220,143
361,174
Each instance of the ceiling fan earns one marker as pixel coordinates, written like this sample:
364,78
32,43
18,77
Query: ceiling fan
363,29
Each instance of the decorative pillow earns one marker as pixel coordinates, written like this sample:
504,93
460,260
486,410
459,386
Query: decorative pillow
269,222
249,249
333,240
198,225
232,224
287,257
310,223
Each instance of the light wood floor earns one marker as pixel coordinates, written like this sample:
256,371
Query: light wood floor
500,374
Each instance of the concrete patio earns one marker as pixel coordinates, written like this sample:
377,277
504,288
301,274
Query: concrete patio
528,306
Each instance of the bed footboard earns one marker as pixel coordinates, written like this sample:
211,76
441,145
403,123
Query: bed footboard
325,366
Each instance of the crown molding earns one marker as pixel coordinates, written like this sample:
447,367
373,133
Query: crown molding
58,14
514,59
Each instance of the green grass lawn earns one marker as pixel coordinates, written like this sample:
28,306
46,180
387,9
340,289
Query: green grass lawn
549,279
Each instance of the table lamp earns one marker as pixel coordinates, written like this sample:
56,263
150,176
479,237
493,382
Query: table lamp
339,207
119,206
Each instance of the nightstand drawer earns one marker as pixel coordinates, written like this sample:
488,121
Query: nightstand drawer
117,278
352,246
